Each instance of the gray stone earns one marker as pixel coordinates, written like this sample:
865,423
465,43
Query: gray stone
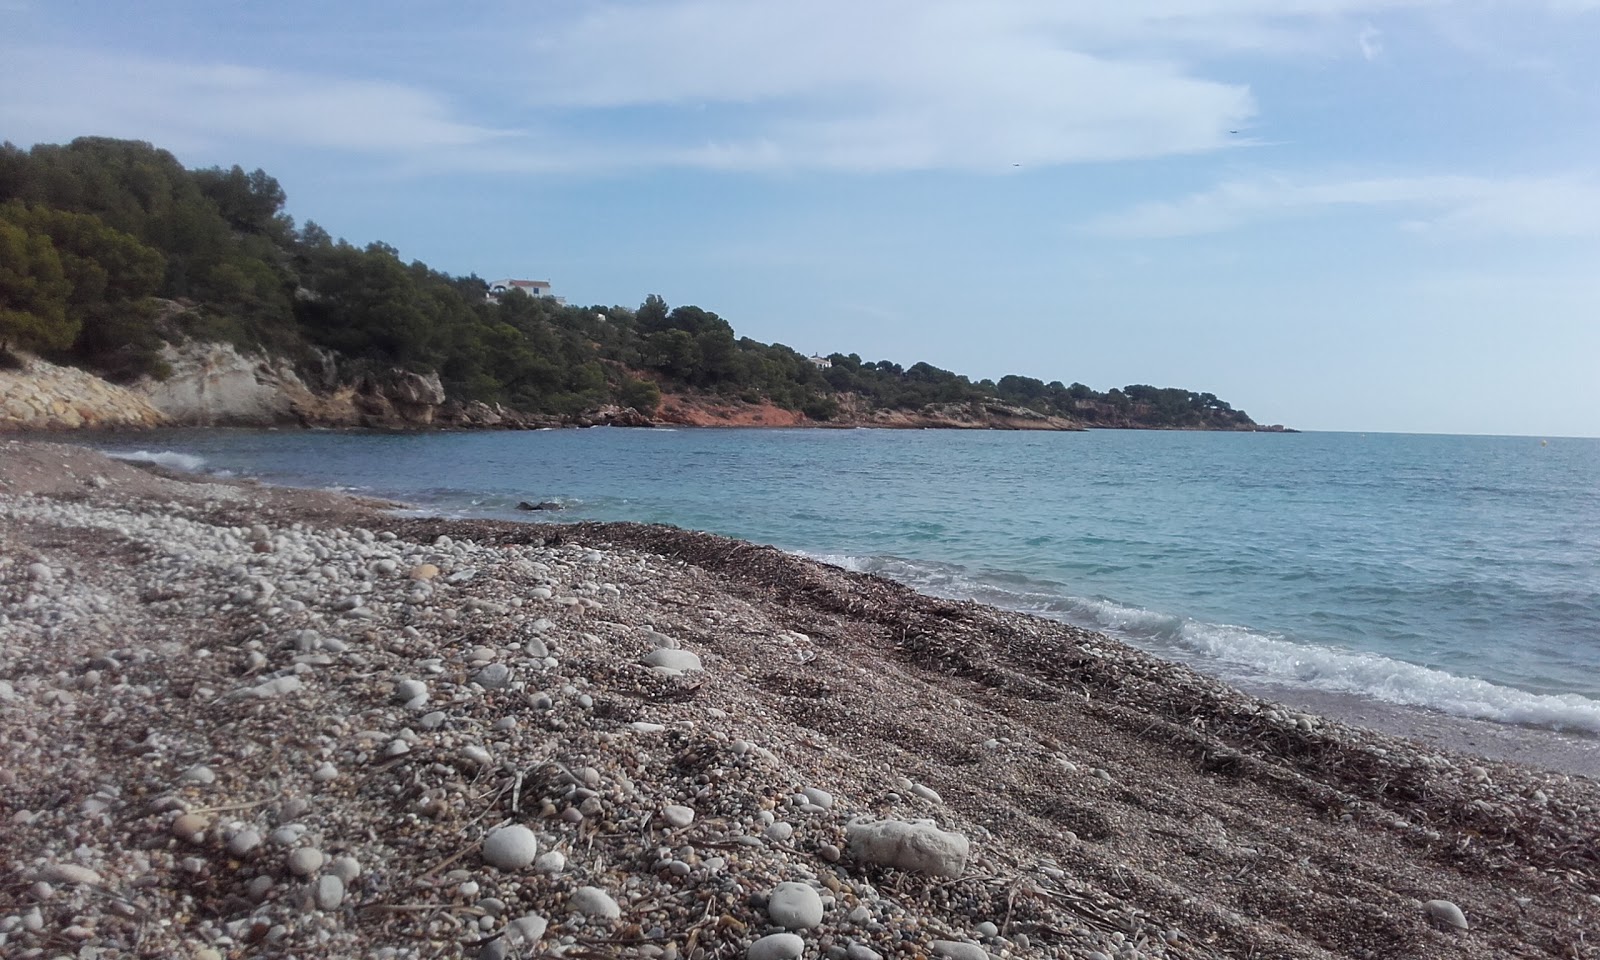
330,892
821,798
510,848
860,951
496,676
306,861
959,950
670,661
1445,913
915,845
528,928
243,842
594,903
677,815
795,906
776,946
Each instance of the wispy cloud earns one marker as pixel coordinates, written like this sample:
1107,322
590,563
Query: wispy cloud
1542,206
59,94
1370,39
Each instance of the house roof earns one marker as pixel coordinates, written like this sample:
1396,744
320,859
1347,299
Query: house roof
523,283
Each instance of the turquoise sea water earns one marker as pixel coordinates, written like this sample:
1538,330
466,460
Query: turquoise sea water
1456,573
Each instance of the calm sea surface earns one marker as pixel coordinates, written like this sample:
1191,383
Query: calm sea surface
1456,573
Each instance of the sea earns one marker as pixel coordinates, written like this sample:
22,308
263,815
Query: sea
1455,574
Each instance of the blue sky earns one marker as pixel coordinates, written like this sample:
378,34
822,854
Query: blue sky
1337,214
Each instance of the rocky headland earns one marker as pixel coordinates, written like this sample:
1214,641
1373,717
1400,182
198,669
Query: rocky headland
241,721
210,384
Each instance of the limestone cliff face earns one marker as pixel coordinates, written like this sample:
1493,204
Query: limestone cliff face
213,384
43,396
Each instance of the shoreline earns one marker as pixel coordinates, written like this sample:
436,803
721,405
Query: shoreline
157,625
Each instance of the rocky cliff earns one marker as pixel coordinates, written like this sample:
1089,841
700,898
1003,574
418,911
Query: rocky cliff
43,396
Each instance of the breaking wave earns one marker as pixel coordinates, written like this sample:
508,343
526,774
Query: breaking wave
1242,654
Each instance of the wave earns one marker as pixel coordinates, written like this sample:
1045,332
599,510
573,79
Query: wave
171,459
1242,654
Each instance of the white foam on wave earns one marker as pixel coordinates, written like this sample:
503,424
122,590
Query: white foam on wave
170,459
1238,653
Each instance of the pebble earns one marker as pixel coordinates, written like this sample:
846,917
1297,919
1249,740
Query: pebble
423,571
677,815
1446,913
325,773
776,946
510,848
780,831
552,863
860,951
243,842
958,950
330,891
199,774
345,868
986,929
594,903
496,676
190,826
821,798
406,691
68,873
795,906
528,928
305,861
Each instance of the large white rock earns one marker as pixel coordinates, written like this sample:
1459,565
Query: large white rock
958,950
668,660
510,848
915,845
794,906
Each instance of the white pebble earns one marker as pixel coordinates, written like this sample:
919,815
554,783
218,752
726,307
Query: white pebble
594,902
795,906
510,848
776,946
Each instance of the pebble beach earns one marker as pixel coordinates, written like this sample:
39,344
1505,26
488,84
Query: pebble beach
245,721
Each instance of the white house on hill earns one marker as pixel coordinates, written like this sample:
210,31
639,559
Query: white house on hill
533,288
821,362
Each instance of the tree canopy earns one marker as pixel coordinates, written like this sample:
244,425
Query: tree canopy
108,248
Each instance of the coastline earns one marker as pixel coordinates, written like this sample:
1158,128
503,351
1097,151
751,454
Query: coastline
1111,798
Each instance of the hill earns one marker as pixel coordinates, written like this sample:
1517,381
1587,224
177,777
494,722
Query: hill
120,260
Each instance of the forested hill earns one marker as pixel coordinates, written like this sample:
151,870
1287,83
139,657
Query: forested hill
110,249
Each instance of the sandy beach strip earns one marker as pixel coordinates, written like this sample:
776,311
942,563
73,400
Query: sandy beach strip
245,721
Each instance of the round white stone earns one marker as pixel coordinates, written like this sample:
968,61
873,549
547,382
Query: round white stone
677,815
510,848
776,946
305,861
795,906
330,892
594,902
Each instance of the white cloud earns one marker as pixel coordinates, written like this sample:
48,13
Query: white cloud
1370,39
60,94
1560,206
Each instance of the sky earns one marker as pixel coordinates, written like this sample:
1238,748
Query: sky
1373,215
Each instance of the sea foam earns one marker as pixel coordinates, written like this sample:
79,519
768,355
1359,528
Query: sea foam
171,459
1241,654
